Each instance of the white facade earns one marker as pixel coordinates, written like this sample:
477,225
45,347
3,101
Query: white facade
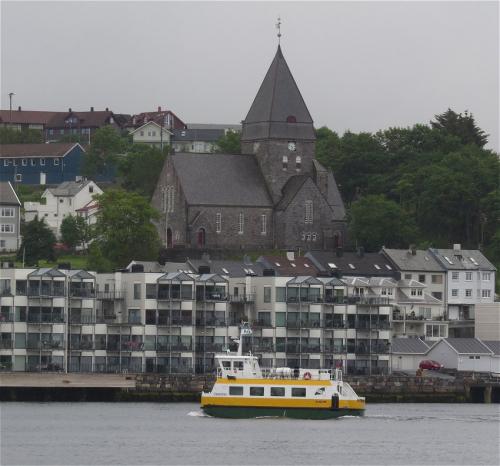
445,354
487,321
151,133
10,218
61,202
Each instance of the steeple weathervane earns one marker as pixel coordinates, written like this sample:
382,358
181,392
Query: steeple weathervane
278,27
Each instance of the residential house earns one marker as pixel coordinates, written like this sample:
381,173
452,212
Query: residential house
407,353
163,118
10,218
41,163
68,198
289,266
153,134
470,280
25,119
198,140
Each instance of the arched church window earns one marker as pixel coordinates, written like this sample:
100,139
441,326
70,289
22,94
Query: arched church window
298,162
291,119
308,212
218,222
285,162
241,221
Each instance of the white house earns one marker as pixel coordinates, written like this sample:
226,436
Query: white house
406,353
69,198
151,133
10,206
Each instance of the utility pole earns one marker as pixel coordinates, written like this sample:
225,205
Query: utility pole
11,94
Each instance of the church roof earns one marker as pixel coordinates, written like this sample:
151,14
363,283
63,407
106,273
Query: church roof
221,179
291,188
278,110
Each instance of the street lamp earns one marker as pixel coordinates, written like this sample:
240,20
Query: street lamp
11,94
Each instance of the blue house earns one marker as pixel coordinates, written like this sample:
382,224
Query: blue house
41,163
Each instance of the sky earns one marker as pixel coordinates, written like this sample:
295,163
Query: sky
361,66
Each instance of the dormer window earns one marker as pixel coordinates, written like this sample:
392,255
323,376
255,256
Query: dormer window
285,162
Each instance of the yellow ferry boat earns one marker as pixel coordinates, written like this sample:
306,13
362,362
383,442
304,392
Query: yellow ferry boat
244,390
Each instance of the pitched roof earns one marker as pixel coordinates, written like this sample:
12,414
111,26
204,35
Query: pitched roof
289,191
494,346
57,149
370,264
409,345
230,126
420,261
468,345
284,267
158,117
151,123
230,268
85,119
335,199
69,188
7,194
205,135
277,100
200,176
462,259
33,117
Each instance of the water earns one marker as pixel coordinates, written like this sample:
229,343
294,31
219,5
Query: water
178,433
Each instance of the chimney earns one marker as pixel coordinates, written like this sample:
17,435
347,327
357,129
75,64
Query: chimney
107,109
159,109
91,109
413,250
457,247
69,110
19,108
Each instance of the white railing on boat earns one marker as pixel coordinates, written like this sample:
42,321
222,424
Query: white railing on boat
281,373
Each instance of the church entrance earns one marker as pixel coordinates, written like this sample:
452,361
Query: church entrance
169,237
201,238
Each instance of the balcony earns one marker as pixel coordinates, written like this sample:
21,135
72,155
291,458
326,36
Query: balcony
261,323
209,347
303,323
334,324
335,349
214,297
335,299
52,345
306,299
110,295
242,298
6,317
82,293
182,321
210,323
6,344
370,300
263,349
132,345
293,348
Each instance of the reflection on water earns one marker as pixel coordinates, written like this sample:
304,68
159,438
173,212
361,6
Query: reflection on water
179,433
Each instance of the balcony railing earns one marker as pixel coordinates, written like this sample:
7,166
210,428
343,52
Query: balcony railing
259,323
110,295
336,349
6,344
6,317
212,297
303,323
308,299
132,345
242,298
210,323
82,293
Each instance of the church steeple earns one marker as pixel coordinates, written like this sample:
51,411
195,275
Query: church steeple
278,110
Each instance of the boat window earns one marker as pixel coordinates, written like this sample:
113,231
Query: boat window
226,364
277,391
238,365
256,391
298,392
236,391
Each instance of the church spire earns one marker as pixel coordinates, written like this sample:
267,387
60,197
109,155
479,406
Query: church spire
278,27
278,110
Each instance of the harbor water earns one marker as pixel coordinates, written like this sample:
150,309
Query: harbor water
178,433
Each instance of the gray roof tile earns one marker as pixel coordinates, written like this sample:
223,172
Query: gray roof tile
468,345
494,346
409,345
421,261
462,259
7,194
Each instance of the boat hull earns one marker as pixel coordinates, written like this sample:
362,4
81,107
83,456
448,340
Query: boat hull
248,412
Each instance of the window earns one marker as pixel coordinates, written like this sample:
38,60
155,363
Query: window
7,228
421,278
420,292
486,293
33,162
280,294
437,295
298,162
56,161
141,133
91,189
6,163
285,162
280,318
19,177
298,392
14,162
241,220
413,292
256,391
25,162
42,162
407,276
454,275
468,276
309,212
468,293
277,391
137,291
7,212
437,279
263,220
218,222
486,276
236,391
454,293
267,294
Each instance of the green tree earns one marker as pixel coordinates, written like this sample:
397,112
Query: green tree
38,242
230,143
74,231
124,229
26,136
140,168
376,221
462,126
106,146
327,145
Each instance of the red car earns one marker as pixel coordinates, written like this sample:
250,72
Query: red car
430,364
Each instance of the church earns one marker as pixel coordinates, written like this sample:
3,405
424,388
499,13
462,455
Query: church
275,194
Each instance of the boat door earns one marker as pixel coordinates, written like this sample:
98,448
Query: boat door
335,401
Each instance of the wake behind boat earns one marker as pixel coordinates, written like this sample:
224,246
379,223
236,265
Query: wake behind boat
244,390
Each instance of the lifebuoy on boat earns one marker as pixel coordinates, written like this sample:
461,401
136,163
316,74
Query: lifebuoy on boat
307,376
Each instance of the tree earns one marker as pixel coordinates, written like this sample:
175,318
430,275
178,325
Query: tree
230,143
124,228
107,144
462,126
327,145
38,242
26,136
74,231
141,167
376,221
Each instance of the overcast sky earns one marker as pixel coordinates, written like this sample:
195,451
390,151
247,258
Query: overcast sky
360,66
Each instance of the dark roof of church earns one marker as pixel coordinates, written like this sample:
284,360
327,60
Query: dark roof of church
277,100
221,179
291,188
335,199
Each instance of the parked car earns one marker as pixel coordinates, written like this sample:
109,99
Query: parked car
430,364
